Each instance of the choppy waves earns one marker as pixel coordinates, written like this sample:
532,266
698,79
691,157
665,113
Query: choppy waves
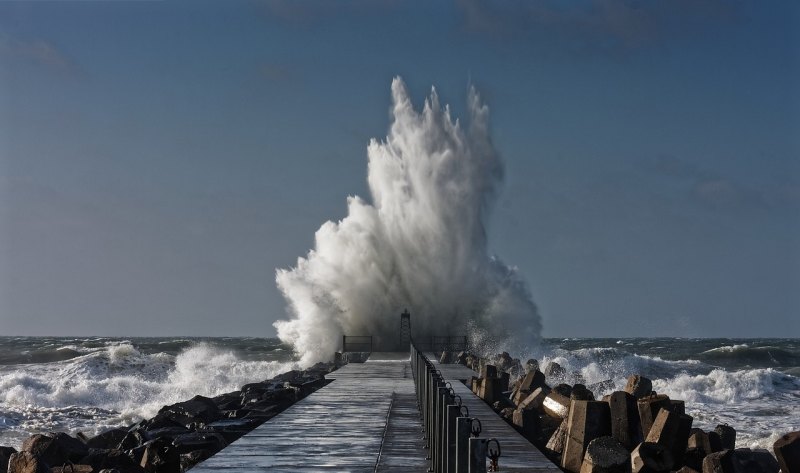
117,384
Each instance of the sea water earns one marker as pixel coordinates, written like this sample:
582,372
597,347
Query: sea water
91,384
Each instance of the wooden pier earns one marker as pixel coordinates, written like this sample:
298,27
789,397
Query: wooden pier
365,420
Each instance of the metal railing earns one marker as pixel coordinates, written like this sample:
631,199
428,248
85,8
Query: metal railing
450,434
437,343
356,343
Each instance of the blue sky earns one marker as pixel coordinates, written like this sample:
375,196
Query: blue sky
159,159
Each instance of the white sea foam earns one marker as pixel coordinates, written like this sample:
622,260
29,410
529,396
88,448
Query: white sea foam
118,385
420,244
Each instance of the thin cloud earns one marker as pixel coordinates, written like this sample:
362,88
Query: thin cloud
37,51
593,25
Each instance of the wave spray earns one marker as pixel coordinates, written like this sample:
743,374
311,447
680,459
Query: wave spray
421,244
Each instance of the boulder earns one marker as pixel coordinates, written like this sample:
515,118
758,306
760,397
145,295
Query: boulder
194,457
160,456
26,462
650,458
55,448
108,439
5,454
606,455
111,460
531,365
563,389
210,441
197,410
72,468
787,451
638,386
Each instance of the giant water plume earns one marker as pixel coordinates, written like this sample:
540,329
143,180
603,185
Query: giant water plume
420,244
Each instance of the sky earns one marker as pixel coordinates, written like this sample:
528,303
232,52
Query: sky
159,160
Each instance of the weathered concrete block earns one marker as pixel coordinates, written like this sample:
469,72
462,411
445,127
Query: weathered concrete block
699,439
693,458
534,379
563,389
505,378
648,410
490,390
718,462
650,458
787,451
639,386
488,371
556,405
626,427
672,431
527,421
677,406
531,365
535,399
727,436
587,421
558,439
714,441
688,469
475,385
606,455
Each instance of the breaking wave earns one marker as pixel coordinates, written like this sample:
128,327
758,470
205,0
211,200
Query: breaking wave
420,244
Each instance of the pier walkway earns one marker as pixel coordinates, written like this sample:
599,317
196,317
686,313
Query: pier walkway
365,420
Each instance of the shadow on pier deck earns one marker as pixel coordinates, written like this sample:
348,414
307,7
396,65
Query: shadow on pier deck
366,420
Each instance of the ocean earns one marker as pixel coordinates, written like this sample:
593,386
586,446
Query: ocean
94,383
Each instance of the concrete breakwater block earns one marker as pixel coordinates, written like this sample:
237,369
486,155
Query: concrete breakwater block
606,455
638,386
648,410
787,451
626,427
671,430
587,421
742,460
650,457
556,405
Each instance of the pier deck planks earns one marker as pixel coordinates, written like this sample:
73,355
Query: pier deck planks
365,420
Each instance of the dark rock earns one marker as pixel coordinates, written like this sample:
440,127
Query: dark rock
650,458
580,393
606,455
563,389
26,462
554,370
639,386
228,401
199,409
5,454
527,422
715,442
693,458
112,460
160,456
787,451
601,386
727,436
531,365
211,441
134,438
55,448
108,439
194,457
72,468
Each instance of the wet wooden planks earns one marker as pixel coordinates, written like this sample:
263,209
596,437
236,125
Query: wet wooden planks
518,454
366,420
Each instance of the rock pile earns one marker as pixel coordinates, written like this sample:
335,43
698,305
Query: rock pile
177,438
634,430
